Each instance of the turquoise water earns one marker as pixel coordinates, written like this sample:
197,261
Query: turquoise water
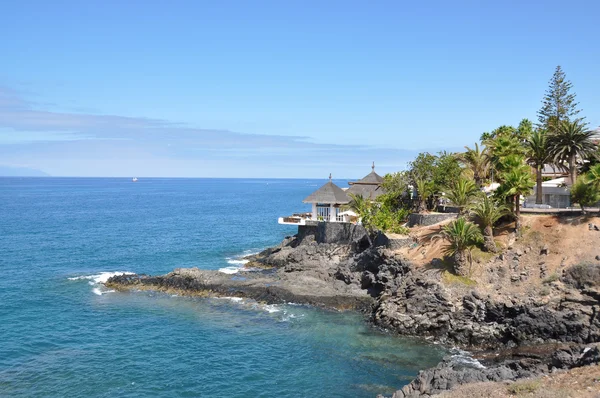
63,334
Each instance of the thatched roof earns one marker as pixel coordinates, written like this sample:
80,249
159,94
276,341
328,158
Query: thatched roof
367,191
328,193
369,187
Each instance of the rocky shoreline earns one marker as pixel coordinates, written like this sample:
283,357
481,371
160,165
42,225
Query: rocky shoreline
527,336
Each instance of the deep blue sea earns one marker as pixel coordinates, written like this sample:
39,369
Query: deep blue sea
62,334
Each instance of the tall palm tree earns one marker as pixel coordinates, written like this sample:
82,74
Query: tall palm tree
478,161
488,211
462,236
461,193
570,141
537,157
518,182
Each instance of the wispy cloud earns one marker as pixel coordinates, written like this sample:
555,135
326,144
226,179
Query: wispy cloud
64,143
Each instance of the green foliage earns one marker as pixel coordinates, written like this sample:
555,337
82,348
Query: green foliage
584,194
446,168
488,211
571,140
375,215
422,168
397,193
428,173
551,278
461,235
362,207
462,192
592,177
451,279
516,177
478,161
524,387
559,103
388,220
525,130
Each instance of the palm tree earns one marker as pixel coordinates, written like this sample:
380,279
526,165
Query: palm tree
592,177
518,182
425,189
501,148
570,141
461,193
584,193
478,161
462,236
488,212
361,206
537,157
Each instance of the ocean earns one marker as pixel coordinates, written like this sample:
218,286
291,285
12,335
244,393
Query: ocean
63,334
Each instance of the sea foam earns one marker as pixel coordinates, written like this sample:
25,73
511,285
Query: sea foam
98,280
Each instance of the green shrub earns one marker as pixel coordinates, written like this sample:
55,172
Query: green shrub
449,278
552,278
524,387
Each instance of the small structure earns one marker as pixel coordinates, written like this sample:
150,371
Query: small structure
369,187
556,193
328,201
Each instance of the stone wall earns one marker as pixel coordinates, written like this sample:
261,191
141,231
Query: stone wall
429,219
331,232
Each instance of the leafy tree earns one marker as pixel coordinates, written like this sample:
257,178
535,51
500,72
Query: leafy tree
488,212
584,194
501,149
537,157
397,191
422,167
462,236
478,161
461,193
446,169
570,141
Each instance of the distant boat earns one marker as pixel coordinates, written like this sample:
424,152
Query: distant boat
134,179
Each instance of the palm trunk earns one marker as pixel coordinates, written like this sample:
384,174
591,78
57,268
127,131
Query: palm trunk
538,189
461,266
517,213
573,169
488,239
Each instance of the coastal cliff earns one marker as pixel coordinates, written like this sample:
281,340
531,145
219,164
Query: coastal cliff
530,295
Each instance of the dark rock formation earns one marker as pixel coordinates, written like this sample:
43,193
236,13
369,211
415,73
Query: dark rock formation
450,373
419,306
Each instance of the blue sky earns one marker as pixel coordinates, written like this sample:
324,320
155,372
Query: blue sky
276,88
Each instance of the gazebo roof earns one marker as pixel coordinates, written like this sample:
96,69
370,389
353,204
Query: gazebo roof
367,191
328,193
371,179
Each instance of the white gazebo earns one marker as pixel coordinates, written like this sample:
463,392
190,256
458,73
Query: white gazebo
327,202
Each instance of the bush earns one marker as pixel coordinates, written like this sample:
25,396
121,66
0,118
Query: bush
583,275
524,387
550,279
390,221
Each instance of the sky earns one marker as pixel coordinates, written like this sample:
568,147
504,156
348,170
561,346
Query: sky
283,89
